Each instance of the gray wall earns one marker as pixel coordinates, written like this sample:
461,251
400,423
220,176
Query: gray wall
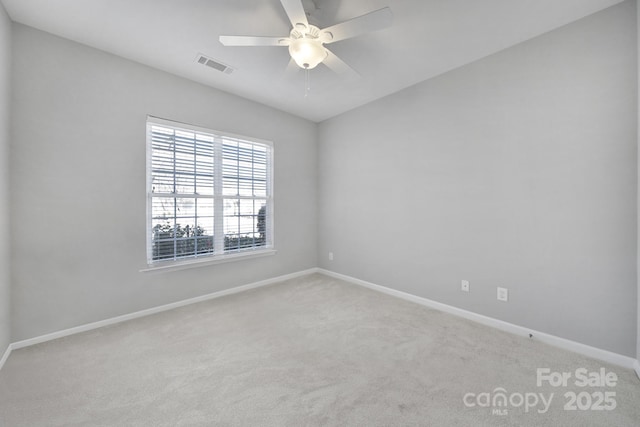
518,170
78,184
638,246
5,98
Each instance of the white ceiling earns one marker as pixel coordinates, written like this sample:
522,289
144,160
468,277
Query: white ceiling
427,38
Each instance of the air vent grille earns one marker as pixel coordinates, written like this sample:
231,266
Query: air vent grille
215,64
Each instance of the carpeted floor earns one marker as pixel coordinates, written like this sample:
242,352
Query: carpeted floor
306,352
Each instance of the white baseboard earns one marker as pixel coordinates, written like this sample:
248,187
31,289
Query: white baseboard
149,311
576,347
593,352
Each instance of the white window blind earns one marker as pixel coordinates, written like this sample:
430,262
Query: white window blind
209,193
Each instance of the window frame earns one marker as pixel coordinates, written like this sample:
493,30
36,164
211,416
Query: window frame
220,253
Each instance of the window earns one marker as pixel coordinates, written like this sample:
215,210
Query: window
208,193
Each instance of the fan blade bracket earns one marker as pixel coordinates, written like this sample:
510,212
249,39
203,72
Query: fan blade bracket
326,36
372,21
338,66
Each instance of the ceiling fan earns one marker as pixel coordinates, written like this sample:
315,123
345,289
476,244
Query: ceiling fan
306,42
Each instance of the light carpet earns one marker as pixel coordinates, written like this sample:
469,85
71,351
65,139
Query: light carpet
312,351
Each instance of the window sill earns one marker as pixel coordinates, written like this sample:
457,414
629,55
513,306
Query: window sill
203,262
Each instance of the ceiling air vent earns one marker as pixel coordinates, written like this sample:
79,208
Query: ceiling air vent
212,63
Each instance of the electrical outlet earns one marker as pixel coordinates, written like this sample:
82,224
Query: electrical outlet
503,294
464,286
330,256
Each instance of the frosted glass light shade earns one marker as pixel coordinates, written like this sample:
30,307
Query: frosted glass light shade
307,52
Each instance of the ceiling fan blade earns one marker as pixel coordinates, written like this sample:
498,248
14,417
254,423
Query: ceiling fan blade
337,65
254,41
295,12
372,21
292,69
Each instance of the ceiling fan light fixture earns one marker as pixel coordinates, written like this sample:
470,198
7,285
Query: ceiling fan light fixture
307,53
306,41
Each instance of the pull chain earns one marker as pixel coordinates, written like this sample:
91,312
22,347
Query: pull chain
307,87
